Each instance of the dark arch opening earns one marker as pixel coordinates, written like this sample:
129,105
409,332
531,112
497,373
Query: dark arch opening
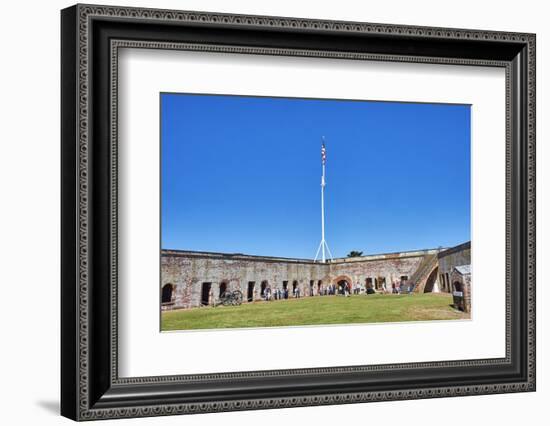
223,288
167,291
205,293
250,292
342,286
262,288
457,286
295,288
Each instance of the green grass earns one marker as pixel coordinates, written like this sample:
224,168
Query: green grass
316,310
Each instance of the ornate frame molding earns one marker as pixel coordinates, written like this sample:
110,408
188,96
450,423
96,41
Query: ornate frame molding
92,400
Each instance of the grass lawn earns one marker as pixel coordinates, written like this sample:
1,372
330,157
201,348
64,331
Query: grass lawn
317,310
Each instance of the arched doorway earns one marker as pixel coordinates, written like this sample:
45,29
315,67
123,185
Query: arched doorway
250,292
295,291
368,283
223,288
340,283
430,282
205,294
262,288
167,292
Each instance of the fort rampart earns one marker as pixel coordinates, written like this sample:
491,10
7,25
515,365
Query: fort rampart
192,279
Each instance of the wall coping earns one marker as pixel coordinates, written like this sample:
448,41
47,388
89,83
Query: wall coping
257,258
455,249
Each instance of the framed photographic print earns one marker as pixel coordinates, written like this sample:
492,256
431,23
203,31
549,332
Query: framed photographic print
266,212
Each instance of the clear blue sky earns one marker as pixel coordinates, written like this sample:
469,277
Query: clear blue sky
242,175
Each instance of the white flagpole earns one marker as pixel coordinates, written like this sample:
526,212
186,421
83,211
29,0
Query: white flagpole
323,256
323,244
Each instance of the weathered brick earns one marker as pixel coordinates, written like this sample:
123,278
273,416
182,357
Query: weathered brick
186,271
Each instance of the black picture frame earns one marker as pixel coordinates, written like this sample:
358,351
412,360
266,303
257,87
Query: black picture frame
90,386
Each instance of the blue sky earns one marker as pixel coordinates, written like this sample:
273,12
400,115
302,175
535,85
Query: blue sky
242,175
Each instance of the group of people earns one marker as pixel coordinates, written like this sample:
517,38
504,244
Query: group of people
279,294
343,289
359,288
398,287
330,290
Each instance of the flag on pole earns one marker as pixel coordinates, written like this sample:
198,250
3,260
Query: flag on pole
323,153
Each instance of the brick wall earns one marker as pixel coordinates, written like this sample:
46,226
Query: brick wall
187,271
465,281
448,259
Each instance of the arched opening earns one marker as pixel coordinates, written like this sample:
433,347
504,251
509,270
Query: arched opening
380,282
311,283
457,286
167,292
223,288
250,293
295,291
319,287
341,283
263,287
205,294
430,282
368,282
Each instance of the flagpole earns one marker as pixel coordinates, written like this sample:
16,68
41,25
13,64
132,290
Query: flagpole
323,257
323,247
